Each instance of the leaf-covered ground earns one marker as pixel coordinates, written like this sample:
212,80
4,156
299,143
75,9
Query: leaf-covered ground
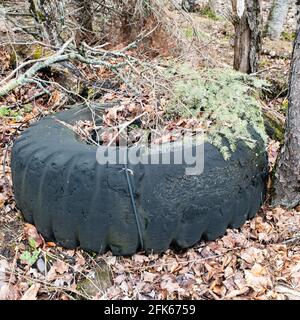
259,261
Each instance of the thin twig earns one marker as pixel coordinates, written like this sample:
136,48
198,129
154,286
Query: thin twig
123,127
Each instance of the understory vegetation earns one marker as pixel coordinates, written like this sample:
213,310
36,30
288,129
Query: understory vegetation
224,101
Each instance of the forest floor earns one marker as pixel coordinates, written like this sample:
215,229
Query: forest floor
259,261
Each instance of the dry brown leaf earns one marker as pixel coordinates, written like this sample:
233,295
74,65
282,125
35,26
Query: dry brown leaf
4,287
175,267
50,244
140,258
149,276
228,272
2,200
252,255
80,260
60,266
229,241
165,139
290,293
120,278
31,293
70,253
51,274
124,286
4,291
235,293
239,280
217,288
258,278
170,286
32,235
55,98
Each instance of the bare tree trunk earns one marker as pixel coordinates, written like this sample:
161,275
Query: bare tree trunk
84,18
84,14
287,178
214,6
247,43
277,18
49,19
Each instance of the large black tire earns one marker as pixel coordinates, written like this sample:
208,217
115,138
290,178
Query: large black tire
60,187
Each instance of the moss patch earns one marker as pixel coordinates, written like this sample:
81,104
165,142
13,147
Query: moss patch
6,112
98,281
37,52
288,36
225,99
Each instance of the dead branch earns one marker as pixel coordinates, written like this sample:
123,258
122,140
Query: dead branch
65,54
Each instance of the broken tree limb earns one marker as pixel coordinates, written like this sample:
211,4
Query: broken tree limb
63,56
30,73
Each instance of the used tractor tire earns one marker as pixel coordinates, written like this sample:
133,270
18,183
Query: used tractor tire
73,200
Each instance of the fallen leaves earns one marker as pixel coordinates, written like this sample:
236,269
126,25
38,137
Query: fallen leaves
287,292
149,276
32,236
60,267
252,255
245,264
170,285
4,287
31,293
5,59
258,278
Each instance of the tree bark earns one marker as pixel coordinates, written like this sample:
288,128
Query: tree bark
287,177
277,18
214,6
49,19
84,18
84,14
188,5
247,42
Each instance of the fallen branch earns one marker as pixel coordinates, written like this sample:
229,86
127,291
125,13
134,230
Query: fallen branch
30,73
123,127
21,66
58,58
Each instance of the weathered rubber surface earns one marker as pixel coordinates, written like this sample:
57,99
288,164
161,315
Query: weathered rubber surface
73,200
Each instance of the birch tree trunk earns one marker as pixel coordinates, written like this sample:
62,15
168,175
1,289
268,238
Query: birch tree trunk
247,42
277,18
287,177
